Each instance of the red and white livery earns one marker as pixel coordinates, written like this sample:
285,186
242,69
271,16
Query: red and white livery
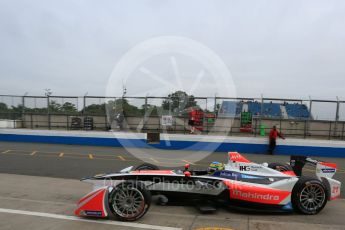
127,194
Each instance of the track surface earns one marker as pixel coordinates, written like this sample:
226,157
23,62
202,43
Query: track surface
43,187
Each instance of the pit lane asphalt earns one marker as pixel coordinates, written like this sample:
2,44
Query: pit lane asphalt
48,184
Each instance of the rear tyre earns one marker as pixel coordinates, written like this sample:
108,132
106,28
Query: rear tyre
146,166
309,196
280,167
129,201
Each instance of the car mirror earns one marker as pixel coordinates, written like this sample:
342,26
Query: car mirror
187,174
126,170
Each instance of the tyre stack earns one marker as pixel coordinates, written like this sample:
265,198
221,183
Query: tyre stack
76,123
88,123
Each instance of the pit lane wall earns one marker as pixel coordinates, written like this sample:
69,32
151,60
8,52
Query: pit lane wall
178,142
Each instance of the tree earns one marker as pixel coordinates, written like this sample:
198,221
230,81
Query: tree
54,107
68,107
96,109
178,102
17,109
151,110
3,107
122,105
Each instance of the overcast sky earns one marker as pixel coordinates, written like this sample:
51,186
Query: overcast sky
277,48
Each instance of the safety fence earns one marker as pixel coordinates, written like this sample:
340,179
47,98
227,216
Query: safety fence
224,126
325,118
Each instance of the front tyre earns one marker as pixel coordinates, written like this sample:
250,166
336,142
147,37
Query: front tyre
146,166
129,201
309,196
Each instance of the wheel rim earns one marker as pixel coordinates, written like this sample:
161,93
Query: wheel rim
312,197
128,202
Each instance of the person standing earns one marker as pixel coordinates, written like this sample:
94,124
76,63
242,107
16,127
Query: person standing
191,123
191,120
274,133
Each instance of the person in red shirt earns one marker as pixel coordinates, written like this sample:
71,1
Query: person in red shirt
274,133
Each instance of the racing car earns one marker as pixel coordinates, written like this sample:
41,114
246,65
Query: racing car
126,195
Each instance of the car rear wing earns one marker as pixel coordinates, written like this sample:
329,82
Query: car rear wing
323,169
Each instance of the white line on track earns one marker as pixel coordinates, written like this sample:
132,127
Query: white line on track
36,201
154,160
74,218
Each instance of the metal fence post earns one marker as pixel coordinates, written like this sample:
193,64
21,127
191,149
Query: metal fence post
215,104
14,120
23,110
84,102
255,129
261,109
48,111
106,125
310,116
145,118
336,118
305,129
280,125
31,121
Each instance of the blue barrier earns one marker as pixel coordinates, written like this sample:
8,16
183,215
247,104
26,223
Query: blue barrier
259,148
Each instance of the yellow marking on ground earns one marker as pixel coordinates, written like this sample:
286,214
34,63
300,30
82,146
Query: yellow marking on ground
121,158
188,162
6,151
154,160
90,156
61,154
33,153
108,157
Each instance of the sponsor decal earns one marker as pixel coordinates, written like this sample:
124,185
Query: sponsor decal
95,202
235,175
244,168
244,176
249,167
255,167
236,157
328,170
255,196
335,189
228,174
93,213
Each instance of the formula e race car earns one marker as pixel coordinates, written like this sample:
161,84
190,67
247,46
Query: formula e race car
126,195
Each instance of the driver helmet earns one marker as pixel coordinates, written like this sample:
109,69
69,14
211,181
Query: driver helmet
215,166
